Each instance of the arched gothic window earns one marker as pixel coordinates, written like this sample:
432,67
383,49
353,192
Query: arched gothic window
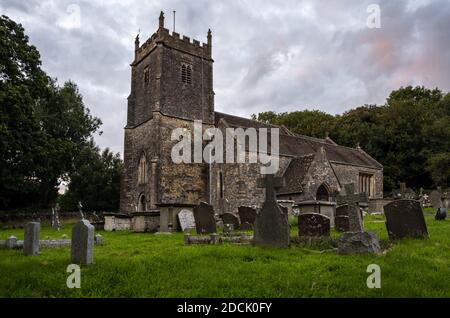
322,193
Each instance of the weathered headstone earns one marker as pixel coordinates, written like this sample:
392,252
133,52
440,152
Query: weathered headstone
271,224
82,248
352,199
205,221
358,243
313,224
404,218
186,219
436,199
11,242
441,214
341,219
98,239
446,200
355,240
355,219
229,218
31,240
247,214
350,196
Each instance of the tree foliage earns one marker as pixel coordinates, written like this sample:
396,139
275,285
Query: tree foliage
95,181
43,127
409,134
313,123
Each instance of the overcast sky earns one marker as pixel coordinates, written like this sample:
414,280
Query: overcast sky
269,55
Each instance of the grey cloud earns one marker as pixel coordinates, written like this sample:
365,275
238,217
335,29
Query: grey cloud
269,55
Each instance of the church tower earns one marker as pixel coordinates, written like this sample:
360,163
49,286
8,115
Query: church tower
173,76
171,87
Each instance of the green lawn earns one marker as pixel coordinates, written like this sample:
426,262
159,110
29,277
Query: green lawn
146,265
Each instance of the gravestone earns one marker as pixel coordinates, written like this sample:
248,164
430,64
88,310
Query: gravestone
186,219
247,215
441,214
341,219
205,221
355,240
229,218
98,239
436,199
271,224
358,243
350,196
82,247
404,218
313,224
11,242
352,200
31,240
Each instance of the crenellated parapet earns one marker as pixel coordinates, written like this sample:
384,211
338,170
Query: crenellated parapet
175,41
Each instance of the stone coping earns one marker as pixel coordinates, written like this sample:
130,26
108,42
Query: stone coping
131,215
44,243
148,213
119,215
177,205
312,202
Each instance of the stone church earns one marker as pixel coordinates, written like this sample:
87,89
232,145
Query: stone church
171,86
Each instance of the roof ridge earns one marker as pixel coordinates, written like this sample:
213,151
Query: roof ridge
249,119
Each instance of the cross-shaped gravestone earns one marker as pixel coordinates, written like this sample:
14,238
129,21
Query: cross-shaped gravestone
271,224
351,198
271,184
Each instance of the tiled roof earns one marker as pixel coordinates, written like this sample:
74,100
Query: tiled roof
298,145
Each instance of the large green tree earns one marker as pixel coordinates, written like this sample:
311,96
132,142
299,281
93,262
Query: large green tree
43,127
95,180
409,134
312,123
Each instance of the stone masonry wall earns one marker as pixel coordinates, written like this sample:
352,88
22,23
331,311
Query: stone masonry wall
350,174
320,172
180,183
143,139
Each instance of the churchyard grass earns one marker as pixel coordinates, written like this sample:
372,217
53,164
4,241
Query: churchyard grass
146,265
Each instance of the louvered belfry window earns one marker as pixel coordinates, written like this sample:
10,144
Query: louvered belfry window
186,74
